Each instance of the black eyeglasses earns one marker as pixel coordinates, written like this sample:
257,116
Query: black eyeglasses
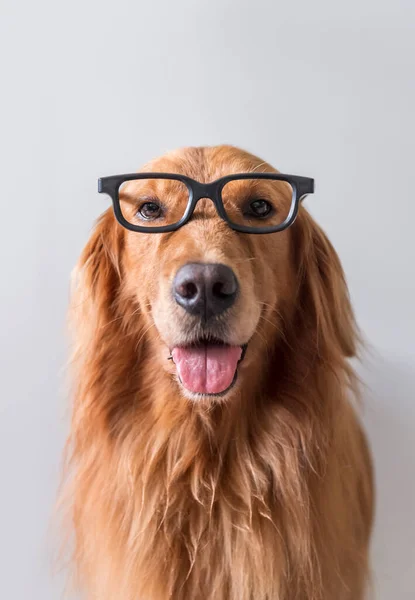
248,202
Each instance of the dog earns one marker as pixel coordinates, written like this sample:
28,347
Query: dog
215,452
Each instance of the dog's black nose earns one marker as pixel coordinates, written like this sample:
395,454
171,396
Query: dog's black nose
205,289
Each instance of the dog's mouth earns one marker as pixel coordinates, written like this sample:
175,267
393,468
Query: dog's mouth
208,366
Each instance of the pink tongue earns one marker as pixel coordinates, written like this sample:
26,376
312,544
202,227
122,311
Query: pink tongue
207,369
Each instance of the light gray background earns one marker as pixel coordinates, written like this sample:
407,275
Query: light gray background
318,88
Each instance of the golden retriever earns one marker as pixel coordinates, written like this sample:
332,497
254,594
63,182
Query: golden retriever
253,483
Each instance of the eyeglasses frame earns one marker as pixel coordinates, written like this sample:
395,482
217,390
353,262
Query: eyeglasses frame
301,186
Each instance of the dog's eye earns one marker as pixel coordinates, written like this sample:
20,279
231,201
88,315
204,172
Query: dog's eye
260,208
149,210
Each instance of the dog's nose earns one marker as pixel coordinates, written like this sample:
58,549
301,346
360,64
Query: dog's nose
205,289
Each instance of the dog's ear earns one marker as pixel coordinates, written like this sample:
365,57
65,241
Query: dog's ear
102,369
96,277
323,302
103,351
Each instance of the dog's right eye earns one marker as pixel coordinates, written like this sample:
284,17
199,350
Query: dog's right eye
149,210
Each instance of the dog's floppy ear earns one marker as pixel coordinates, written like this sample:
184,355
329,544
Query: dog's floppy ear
101,375
95,279
324,301
102,352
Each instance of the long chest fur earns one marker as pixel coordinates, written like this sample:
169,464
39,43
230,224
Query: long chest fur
173,516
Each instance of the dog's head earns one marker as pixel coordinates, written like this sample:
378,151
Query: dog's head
212,304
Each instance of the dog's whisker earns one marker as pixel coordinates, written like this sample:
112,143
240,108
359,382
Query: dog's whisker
264,319
262,164
244,260
144,333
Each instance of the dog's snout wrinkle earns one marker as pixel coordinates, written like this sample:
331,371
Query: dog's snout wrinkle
205,289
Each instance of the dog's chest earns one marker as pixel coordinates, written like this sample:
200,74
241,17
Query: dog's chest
207,525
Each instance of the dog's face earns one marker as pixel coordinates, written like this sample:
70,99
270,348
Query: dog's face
207,289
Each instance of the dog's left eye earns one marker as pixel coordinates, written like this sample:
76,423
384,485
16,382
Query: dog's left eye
149,210
260,208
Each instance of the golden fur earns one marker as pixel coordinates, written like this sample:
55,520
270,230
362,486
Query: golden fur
264,495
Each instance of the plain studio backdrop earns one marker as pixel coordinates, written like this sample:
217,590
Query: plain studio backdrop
323,89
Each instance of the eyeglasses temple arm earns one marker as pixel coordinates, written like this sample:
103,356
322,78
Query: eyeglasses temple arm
304,188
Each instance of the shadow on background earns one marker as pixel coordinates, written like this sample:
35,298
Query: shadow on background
389,417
